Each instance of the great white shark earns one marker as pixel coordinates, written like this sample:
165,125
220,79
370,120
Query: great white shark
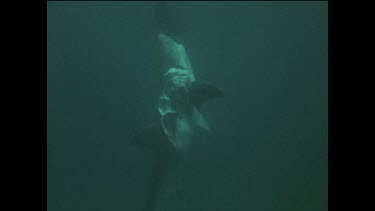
179,103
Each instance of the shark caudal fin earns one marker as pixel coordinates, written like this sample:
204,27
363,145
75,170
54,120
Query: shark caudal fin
163,187
200,92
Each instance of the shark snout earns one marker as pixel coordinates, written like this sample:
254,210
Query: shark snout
161,36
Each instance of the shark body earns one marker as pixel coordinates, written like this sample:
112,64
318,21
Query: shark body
179,104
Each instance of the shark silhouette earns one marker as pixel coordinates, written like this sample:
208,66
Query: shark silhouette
179,104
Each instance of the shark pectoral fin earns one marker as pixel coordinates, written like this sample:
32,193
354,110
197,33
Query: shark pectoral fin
200,92
199,120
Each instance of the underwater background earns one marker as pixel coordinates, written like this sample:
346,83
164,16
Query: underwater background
269,144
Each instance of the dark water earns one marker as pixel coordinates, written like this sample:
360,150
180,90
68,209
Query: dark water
268,150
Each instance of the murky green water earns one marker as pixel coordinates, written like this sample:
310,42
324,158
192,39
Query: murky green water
268,149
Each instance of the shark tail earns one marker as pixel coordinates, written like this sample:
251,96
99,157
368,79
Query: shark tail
163,187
